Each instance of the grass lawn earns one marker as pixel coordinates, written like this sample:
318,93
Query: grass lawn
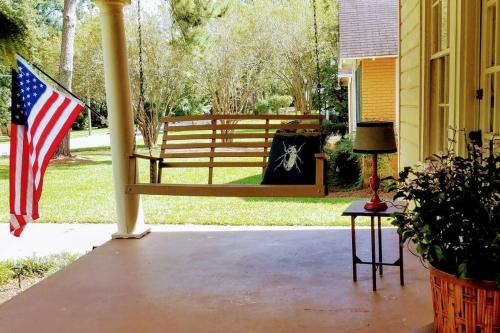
29,271
82,192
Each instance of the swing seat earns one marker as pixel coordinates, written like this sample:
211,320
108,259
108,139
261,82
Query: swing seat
220,141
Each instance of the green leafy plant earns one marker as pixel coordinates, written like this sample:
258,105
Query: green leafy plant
344,166
455,214
261,107
277,102
331,128
13,31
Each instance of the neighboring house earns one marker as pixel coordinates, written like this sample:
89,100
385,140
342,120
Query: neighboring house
368,58
449,73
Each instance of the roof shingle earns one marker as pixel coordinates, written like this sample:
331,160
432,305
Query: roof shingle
368,28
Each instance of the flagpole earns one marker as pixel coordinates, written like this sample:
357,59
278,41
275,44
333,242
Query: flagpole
63,87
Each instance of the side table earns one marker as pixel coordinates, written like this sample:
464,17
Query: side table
355,209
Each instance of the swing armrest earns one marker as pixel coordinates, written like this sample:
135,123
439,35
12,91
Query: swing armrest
146,157
322,156
154,168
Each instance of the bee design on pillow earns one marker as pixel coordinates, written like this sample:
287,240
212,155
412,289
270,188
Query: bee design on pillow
290,158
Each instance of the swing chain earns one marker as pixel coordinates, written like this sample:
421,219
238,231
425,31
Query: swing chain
318,85
141,72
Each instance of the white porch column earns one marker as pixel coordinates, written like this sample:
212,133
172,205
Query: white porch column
121,122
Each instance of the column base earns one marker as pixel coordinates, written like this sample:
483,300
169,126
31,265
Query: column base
137,234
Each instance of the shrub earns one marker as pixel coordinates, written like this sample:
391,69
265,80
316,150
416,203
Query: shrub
262,107
81,122
187,107
276,102
344,169
331,128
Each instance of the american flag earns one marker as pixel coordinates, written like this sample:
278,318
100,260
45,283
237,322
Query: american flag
41,117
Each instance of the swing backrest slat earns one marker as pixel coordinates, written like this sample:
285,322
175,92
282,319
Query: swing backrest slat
241,141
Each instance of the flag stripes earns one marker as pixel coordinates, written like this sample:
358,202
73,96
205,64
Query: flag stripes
41,117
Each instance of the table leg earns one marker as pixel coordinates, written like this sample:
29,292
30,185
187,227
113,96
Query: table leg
381,267
353,239
401,266
374,264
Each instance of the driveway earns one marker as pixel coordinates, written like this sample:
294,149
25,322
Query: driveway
75,143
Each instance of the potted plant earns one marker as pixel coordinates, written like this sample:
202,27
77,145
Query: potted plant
454,221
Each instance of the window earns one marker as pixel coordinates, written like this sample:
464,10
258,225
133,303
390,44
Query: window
490,69
439,70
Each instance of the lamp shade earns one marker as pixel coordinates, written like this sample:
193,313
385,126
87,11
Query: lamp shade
375,137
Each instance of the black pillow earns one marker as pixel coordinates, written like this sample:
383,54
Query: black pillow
292,161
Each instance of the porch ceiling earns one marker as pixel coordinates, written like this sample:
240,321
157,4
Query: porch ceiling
248,281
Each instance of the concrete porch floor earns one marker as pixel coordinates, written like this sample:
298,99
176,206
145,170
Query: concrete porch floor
241,281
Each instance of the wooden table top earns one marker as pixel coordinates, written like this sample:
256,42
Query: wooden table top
356,208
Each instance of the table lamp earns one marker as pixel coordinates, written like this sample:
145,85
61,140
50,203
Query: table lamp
375,137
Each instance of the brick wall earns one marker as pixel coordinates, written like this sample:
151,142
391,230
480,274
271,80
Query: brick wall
378,102
378,89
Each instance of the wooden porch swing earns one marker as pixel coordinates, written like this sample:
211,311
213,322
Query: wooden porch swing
226,141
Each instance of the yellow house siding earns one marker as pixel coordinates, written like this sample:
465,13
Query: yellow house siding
378,89
378,102
409,85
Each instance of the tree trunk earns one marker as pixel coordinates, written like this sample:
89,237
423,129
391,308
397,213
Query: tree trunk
66,61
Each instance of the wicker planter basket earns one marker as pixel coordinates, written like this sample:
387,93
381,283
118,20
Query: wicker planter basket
465,306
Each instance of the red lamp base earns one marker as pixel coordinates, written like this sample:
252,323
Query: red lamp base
375,204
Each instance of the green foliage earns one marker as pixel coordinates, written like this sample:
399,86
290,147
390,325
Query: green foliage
190,17
273,104
13,32
276,102
455,219
34,267
261,107
50,13
32,39
188,106
4,100
81,122
344,165
6,272
331,128
333,96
